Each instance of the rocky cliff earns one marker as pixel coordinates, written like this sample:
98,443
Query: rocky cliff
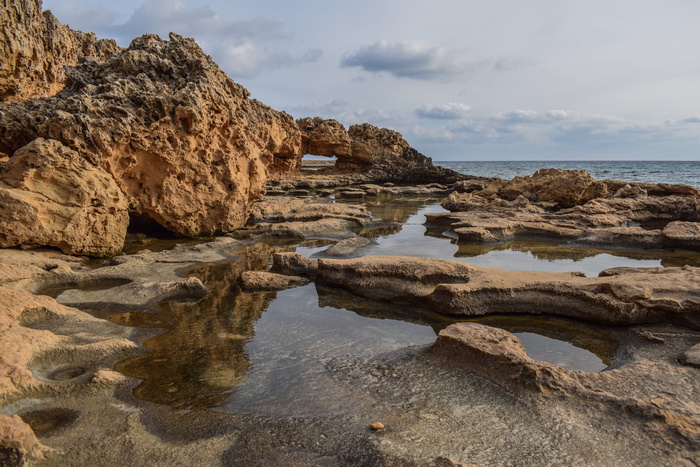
36,47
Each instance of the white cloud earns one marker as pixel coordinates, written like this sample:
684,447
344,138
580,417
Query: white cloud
450,111
245,60
415,60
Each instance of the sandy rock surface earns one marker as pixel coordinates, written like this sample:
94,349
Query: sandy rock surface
36,48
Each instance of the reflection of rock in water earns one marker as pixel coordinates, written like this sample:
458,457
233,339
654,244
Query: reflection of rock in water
391,211
554,251
200,359
599,340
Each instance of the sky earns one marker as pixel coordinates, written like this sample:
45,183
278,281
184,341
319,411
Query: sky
460,79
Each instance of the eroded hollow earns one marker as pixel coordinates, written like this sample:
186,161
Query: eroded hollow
46,422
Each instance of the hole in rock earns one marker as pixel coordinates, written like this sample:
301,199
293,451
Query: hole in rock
142,225
317,163
58,374
47,421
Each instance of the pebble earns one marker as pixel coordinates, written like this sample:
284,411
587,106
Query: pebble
377,426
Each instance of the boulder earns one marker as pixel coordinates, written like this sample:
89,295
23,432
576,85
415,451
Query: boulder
567,188
52,196
184,143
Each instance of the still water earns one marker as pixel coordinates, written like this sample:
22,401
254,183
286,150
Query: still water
265,352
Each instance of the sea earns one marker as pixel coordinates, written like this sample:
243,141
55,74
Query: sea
685,172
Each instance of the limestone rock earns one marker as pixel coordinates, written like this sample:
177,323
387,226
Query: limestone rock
324,138
52,196
294,264
347,247
36,48
629,296
183,141
683,235
692,356
567,188
262,280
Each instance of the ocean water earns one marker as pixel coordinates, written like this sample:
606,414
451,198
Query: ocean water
686,172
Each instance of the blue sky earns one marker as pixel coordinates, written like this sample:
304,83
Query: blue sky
460,79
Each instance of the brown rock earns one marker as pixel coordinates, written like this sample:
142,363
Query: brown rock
36,48
18,443
52,196
683,235
262,280
692,356
376,426
565,187
629,296
183,141
294,264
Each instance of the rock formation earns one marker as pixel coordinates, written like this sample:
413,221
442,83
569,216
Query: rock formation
52,196
619,296
36,47
370,153
571,207
183,143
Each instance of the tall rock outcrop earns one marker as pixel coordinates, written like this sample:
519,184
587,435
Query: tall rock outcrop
36,47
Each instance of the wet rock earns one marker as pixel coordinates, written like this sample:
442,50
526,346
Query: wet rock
294,264
347,247
622,221
261,280
625,296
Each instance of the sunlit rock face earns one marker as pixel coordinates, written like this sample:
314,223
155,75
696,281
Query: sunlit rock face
36,48
183,142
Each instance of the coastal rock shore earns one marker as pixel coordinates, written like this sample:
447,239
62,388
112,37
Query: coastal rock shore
137,357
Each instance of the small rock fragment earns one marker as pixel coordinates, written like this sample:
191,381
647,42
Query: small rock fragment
376,426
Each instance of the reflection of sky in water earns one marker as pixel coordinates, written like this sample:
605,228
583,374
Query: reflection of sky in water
412,241
559,352
291,334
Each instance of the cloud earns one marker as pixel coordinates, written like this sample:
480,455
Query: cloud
414,60
694,119
245,60
556,128
450,111
164,16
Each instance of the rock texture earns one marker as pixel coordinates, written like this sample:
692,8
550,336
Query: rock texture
36,48
52,196
184,143
373,154
649,391
570,206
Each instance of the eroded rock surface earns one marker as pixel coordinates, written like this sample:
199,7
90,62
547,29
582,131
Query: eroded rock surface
36,48
183,142
52,196
571,207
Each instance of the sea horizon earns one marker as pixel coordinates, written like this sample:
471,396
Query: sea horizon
644,171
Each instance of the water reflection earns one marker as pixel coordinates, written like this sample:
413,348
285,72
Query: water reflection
263,352
569,343
200,359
